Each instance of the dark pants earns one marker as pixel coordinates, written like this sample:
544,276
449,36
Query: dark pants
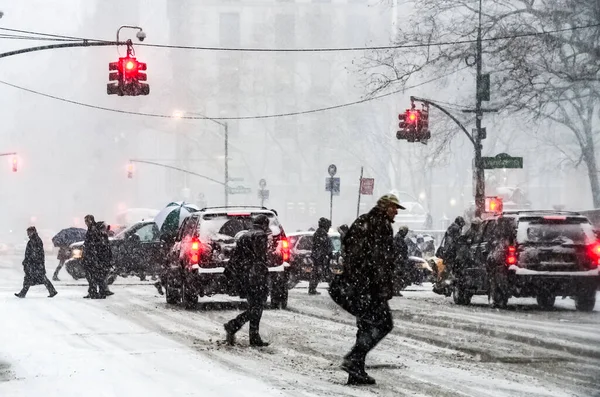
374,323
61,263
97,282
315,276
256,300
27,284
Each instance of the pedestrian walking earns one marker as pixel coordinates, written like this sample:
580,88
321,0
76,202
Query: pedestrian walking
401,271
34,265
322,251
249,265
63,256
92,262
366,284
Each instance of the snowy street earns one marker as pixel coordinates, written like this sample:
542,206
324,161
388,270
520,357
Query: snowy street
134,344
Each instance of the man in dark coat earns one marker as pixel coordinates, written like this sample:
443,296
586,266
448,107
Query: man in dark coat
450,242
250,257
94,256
401,269
104,261
34,265
369,257
322,251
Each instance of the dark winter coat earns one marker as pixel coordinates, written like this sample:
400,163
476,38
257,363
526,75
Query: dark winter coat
249,261
92,248
450,242
401,248
34,262
369,256
322,248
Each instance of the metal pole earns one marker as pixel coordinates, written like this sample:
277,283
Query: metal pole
8,154
226,164
262,197
331,202
479,172
359,186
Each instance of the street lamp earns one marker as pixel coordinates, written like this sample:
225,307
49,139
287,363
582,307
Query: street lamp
179,114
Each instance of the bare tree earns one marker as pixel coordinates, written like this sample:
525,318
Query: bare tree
543,55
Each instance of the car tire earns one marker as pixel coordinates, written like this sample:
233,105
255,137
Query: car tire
461,296
279,291
545,300
172,295
190,297
586,300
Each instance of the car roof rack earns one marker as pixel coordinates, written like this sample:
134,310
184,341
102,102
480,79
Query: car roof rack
516,212
235,206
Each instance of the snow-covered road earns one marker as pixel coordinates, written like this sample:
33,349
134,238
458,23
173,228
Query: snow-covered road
133,344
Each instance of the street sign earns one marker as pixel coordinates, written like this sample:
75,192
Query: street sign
502,160
239,190
263,194
332,185
262,183
332,170
366,186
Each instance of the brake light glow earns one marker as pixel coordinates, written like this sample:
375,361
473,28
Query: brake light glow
195,251
285,249
594,251
555,218
238,214
511,257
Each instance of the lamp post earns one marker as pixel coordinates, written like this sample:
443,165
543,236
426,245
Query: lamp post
226,144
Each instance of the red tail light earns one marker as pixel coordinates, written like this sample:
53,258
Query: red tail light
511,256
285,249
195,251
594,253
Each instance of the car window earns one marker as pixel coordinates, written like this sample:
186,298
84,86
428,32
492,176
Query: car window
223,226
147,233
293,240
337,243
554,231
305,243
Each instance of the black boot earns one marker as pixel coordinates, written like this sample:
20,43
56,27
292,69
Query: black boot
229,334
258,342
356,373
20,295
53,294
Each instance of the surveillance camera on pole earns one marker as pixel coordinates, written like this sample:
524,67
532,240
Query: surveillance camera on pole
141,35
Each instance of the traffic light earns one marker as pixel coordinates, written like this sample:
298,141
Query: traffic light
15,164
494,205
130,170
409,121
127,76
423,127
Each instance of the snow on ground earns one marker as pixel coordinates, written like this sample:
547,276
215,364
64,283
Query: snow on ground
133,344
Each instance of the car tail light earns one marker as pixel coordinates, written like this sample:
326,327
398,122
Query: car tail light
195,251
594,253
511,255
285,249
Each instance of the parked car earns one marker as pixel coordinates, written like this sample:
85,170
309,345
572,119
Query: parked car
301,264
196,263
137,250
541,254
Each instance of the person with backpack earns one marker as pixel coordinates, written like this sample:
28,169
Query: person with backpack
366,284
248,266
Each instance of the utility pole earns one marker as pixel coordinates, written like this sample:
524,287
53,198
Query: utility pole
226,186
479,171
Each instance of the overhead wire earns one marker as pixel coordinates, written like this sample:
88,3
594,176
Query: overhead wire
334,49
255,117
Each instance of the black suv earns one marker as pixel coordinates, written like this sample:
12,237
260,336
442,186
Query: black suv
137,250
542,254
205,241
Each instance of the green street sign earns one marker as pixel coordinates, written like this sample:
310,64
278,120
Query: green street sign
502,160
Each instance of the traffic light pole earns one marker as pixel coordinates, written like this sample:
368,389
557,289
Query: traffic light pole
479,171
8,154
176,169
84,43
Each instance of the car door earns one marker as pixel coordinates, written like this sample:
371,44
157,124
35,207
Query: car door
152,248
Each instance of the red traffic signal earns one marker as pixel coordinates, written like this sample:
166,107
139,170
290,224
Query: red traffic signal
128,76
15,164
494,205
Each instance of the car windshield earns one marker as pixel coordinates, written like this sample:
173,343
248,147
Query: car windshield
541,231
227,226
121,235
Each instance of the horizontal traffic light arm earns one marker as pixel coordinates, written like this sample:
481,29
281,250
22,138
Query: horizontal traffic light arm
447,113
84,43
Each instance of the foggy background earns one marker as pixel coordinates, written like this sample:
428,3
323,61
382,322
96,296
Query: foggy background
73,159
